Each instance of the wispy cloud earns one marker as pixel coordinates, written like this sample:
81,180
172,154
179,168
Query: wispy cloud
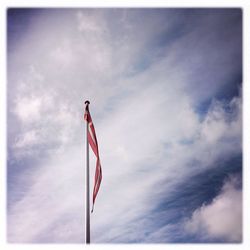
166,103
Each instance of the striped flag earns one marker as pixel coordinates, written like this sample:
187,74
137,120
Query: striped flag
92,140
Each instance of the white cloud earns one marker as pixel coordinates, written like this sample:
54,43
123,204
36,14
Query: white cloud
63,54
222,218
28,139
51,200
28,109
89,24
219,123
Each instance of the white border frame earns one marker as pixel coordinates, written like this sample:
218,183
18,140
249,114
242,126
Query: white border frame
127,3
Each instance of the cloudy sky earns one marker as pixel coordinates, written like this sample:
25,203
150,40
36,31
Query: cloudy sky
165,91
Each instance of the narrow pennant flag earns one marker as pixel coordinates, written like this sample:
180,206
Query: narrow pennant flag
94,145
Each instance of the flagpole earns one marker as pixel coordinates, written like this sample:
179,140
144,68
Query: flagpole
87,215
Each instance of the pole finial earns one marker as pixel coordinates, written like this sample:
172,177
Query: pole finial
87,102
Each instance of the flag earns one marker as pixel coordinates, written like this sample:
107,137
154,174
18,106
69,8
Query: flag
92,140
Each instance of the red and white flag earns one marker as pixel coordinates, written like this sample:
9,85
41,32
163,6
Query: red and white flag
92,140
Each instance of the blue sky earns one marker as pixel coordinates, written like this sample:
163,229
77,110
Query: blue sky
165,87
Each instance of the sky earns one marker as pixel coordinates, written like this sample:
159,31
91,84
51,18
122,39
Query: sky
165,91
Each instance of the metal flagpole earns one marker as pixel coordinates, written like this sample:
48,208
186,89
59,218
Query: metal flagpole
87,215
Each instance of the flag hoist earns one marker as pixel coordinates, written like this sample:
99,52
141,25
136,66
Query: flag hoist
92,141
